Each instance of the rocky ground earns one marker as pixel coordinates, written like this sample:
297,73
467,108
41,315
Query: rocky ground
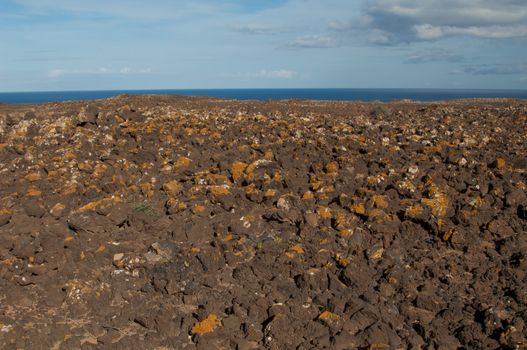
194,223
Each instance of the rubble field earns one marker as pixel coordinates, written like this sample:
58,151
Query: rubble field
168,222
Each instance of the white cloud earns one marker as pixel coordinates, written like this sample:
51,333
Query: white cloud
56,73
313,42
125,70
267,74
255,28
496,69
433,55
395,21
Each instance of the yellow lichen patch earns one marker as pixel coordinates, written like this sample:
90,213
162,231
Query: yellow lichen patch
438,204
34,176
270,193
315,183
69,155
100,204
341,260
85,167
342,219
57,208
172,188
215,135
327,315
237,170
5,211
377,254
346,233
208,325
324,212
52,173
297,248
218,179
392,280
99,170
327,189
166,169
380,201
414,211
198,209
147,189
218,191
182,163
70,189
229,237
308,195
33,192
268,155
332,168
359,208
195,250
69,239
448,234
101,249
378,346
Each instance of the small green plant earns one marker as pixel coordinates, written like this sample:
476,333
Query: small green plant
379,111
146,208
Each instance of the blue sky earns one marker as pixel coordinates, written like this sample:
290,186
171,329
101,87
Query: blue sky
132,44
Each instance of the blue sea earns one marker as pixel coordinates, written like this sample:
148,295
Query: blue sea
384,95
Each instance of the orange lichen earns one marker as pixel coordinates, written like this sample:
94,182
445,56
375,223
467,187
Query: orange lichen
218,191
69,239
332,168
500,163
297,248
380,201
342,261
346,233
237,170
448,234
324,212
172,188
438,204
33,192
5,211
101,248
342,219
182,163
327,189
270,193
70,189
359,208
208,325
392,280
308,195
34,176
198,209
269,155
327,315
100,204
377,254
414,211
378,346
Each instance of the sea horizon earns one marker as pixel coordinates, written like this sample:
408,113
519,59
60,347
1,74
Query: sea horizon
338,94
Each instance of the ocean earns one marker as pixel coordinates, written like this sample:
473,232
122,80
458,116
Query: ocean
384,95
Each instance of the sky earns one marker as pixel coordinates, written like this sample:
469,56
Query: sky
52,45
